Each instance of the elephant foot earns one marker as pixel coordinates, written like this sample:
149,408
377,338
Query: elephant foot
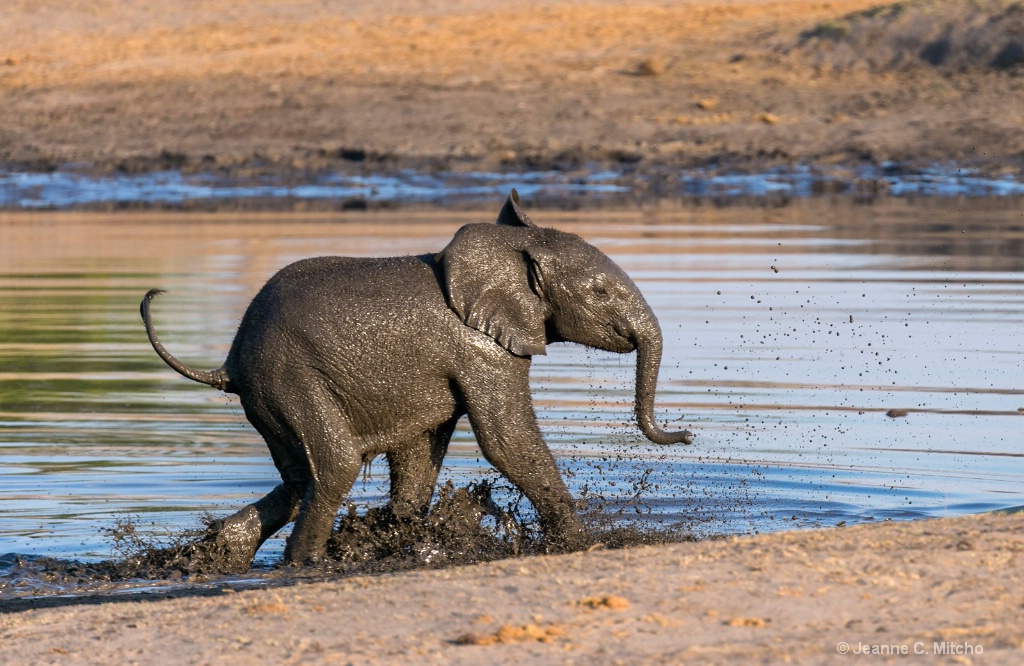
304,557
567,534
232,542
568,542
312,561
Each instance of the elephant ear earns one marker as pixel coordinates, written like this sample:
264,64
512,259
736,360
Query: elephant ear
511,214
488,284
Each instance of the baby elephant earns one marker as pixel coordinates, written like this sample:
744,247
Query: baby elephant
339,359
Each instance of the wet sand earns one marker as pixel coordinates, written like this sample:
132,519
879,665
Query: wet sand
941,591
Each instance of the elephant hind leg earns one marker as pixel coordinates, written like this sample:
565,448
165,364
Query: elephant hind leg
327,459
330,481
241,534
318,459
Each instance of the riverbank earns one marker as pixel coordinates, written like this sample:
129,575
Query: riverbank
933,591
292,91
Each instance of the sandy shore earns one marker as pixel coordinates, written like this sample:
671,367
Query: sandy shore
940,591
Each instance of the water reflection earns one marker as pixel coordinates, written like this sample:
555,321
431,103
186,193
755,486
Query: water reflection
790,332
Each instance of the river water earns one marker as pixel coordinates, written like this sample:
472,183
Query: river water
790,332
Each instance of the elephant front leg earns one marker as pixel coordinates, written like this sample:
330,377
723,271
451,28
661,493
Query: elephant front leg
413,470
506,430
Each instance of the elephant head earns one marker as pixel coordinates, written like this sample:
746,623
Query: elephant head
528,286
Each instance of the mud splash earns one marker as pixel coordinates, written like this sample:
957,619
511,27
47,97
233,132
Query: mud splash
465,525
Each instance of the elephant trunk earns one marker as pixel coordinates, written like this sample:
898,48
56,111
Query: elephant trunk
648,361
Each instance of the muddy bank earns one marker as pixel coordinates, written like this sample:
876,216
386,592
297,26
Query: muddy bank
255,89
936,591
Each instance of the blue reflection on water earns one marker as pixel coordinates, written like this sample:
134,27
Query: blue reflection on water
67,189
61,189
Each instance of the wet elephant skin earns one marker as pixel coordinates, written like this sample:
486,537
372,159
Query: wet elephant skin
340,359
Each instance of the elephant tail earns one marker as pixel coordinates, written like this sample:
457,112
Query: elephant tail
216,378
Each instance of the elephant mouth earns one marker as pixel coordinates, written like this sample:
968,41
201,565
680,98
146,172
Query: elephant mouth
621,339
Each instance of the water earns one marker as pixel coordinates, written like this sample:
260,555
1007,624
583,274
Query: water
790,332
67,188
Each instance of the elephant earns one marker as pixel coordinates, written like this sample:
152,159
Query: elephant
340,359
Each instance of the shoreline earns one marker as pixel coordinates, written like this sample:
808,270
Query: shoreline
921,588
254,90
583,187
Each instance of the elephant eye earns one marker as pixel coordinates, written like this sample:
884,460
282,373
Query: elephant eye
600,288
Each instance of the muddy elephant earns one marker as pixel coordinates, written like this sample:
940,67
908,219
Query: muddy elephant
340,359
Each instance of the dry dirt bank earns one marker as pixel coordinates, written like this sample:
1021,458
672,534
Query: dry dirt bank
292,88
943,591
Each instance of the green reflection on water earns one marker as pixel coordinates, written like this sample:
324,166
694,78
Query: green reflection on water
92,423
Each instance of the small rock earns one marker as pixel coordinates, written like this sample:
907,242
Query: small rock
747,622
650,67
1012,55
266,608
707,104
896,413
768,118
610,601
508,633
